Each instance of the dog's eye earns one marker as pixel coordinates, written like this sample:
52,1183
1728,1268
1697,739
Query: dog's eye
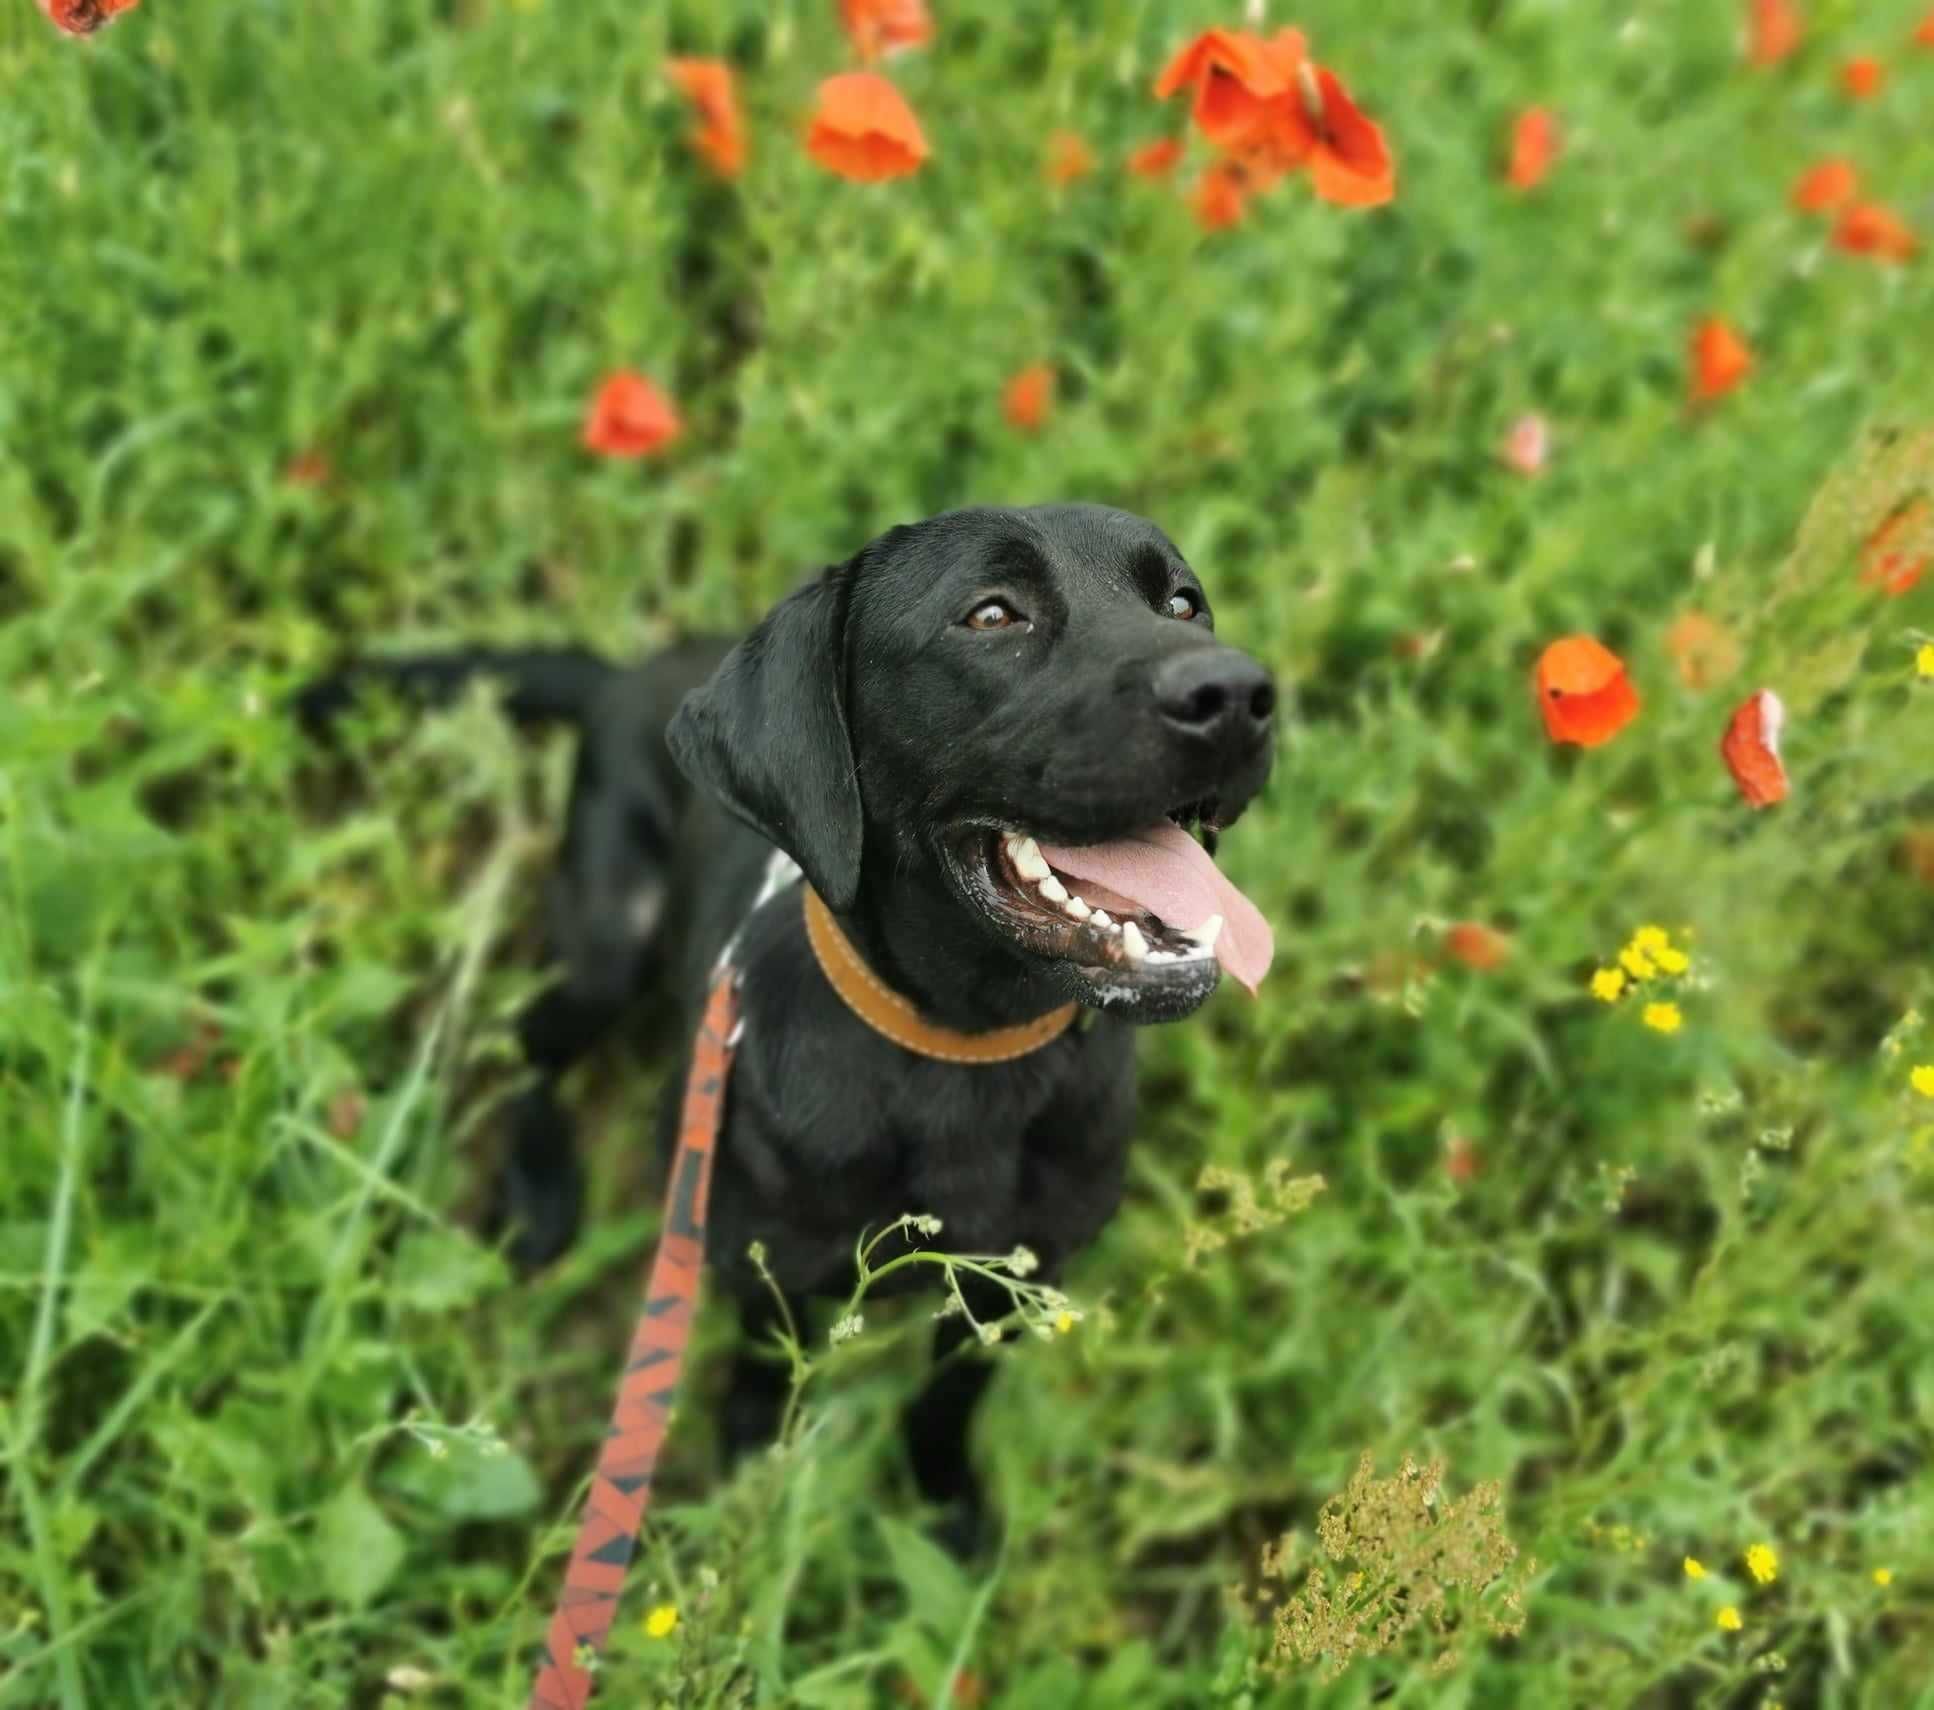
992,614
1182,606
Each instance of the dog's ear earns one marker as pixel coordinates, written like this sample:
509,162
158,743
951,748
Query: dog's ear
767,736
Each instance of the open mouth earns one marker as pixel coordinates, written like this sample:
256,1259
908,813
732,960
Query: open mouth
1144,923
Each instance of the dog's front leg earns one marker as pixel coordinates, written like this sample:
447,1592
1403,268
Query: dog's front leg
755,1396
940,1419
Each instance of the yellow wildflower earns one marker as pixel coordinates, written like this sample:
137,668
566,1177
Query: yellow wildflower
1695,1569
1650,940
662,1622
1924,659
1763,1563
1663,1017
1636,963
1672,961
1728,1619
1922,1080
1064,1322
1883,1576
1607,983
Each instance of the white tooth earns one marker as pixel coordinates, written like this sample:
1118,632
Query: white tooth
1207,933
1101,918
1133,942
1076,907
1029,862
1053,889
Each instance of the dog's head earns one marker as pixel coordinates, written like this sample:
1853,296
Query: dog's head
1031,706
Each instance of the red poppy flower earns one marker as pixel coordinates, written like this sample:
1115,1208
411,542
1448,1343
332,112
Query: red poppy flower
630,417
1535,143
1583,692
1069,158
864,130
1156,159
1350,163
307,469
1221,195
1705,652
1028,399
1899,552
1234,76
1528,445
1869,229
1863,78
1720,360
707,84
1776,28
880,27
84,17
1751,749
1924,34
1477,946
1825,187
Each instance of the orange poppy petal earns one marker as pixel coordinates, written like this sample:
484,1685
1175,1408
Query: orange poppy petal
1352,164
1898,553
1221,196
1584,694
1535,143
880,27
1528,445
1751,749
1029,397
1869,229
84,17
1775,31
1477,946
1924,32
1705,652
1825,187
1156,159
1863,78
1069,158
708,85
630,417
1720,360
863,129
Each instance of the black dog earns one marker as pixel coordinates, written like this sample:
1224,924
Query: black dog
984,740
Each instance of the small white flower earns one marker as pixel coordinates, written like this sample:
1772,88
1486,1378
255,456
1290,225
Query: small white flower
1022,1262
990,1334
846,1329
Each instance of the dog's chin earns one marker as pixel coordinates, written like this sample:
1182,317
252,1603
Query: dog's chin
1138,968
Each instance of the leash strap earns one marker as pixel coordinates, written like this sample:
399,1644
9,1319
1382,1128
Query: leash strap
621,1487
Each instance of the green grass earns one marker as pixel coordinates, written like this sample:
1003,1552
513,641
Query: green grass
276,1426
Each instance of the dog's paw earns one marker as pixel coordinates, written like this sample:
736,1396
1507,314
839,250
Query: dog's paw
964,1530
538,1199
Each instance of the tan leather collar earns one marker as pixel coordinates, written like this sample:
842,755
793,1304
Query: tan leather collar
892,1017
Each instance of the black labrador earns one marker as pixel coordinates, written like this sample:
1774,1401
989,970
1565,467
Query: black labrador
985,740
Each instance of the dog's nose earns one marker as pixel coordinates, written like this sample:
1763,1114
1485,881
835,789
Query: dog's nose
1215,693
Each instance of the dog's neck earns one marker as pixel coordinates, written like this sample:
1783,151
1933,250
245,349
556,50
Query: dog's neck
915,935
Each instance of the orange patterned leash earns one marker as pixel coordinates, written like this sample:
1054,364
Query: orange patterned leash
621,1486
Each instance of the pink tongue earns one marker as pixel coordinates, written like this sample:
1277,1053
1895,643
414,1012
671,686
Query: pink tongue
1165,871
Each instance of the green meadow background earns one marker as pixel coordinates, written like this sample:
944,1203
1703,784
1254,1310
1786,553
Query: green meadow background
277,1428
